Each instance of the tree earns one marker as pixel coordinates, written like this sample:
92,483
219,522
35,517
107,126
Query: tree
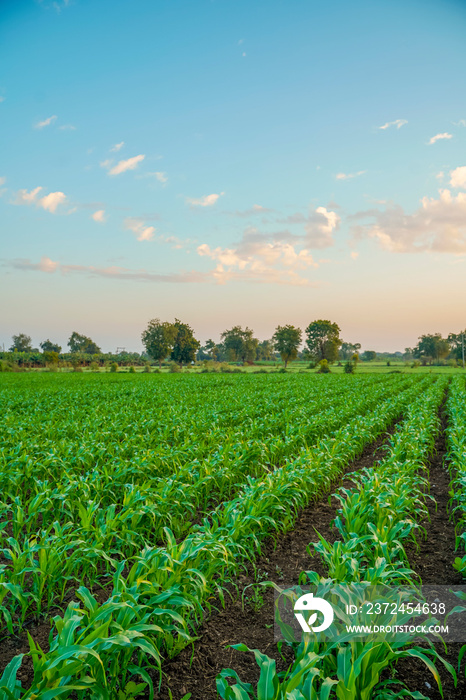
287,340
369,355
323,340
48,346
239,344
158,339
211,349
81,343
265,350
348,349
21,343
185,344
431,347
458,344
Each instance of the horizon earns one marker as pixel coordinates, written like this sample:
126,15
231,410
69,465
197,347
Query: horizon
254,164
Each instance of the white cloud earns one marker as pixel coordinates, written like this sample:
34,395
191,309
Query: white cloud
67,127
49,202
398,123
354,254
47,265
161,177
139,228
462,122
438,225
458,177
2,181
25,197
2,99
439,137
123,165
117,147
99,216
440,175
349,176
243,54
207,201
46,122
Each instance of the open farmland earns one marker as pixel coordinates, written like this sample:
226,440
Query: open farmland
129,503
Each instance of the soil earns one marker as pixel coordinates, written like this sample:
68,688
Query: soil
194,670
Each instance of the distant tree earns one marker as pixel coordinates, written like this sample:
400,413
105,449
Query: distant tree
456,341
81,343
21,343
185,344
323,340
369,355
158,339
408,354
348,349
51,357
48,346
287,340
211,349
431,348
265,350
240,344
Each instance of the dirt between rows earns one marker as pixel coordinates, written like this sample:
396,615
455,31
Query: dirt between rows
195,669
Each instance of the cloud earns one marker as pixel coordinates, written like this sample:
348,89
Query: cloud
140,230
50,202
46,122
439,137
438,225
67,127
99,216
123,165
207,201
45,265
462,122
319,227
440,175
117,147
112,272
398,123
160,176
253,211
261,257
2,99
354,254
349,176
458,177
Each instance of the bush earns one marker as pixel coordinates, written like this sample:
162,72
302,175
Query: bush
9,367
113,367
415,364
174,367
349,367
452,363
94,366
312,365
147,367
388,363
132,370
324,367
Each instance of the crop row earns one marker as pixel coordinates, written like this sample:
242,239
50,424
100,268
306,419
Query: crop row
67,533
456,460
377,516
141,618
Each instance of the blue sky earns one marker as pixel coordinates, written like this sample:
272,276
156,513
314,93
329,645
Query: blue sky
252,163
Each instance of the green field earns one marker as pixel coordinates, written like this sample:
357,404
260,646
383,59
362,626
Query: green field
128,502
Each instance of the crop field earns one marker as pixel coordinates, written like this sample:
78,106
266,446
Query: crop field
135,508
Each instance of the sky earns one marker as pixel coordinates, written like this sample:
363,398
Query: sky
232,162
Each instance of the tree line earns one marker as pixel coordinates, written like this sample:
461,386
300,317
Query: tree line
175,341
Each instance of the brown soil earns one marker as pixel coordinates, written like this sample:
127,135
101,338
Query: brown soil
194,670
434,563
